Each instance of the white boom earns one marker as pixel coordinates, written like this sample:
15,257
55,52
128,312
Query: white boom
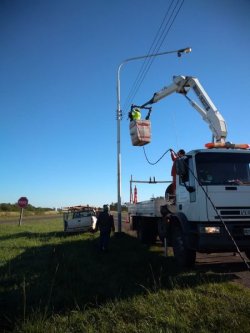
209,113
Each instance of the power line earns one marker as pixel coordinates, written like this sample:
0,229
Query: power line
158,41
156,50
144,64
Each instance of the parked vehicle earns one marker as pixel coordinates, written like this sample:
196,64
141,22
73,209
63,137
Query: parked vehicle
210,209
79,219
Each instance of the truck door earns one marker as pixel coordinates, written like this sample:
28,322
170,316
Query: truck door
187,199
225,176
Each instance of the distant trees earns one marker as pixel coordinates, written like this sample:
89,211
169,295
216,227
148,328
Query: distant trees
113,206
8,207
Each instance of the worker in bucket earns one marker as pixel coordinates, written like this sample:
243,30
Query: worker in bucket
174,157
135,114
105,223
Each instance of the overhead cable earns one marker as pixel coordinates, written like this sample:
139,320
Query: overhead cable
154,49
144,64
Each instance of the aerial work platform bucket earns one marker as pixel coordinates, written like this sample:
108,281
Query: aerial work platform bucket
140,132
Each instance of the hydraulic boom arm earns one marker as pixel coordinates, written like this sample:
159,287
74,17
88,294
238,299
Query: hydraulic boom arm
209,113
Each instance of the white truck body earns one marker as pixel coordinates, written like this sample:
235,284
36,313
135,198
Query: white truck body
214,193
211,207
149,208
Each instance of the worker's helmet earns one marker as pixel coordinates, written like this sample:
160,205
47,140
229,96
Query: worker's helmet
136,110
106,208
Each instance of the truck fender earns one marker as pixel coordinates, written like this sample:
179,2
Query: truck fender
181,220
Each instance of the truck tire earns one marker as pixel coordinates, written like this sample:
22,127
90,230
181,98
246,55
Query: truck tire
153,238
146,233
184,257
152,231
162,228
142,232
247,253
141,235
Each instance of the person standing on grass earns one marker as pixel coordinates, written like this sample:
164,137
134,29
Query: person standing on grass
105,223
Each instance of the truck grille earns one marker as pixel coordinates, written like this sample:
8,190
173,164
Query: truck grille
234,213
238,232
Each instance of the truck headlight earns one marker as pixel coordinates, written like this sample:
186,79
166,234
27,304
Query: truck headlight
209,230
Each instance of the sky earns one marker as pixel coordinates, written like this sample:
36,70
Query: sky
58,77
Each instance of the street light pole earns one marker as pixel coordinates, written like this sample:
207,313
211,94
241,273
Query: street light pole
119,117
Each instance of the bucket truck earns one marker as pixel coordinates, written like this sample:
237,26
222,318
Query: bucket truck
210,209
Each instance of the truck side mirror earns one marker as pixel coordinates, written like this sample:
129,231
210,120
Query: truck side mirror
190,189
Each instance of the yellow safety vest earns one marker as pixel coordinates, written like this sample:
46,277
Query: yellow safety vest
136,114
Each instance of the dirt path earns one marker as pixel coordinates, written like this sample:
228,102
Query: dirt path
225,263
230,264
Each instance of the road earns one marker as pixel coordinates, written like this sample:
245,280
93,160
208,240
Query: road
230,264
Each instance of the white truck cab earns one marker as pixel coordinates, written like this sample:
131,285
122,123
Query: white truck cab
213,189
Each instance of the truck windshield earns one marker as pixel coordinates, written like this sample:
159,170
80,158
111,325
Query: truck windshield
223,168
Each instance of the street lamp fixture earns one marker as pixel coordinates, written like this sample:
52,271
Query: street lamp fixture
186,50
119,116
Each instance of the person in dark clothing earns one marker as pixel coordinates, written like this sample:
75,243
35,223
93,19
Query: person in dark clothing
105,223
174,157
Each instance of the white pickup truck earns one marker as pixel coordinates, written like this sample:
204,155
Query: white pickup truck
79,219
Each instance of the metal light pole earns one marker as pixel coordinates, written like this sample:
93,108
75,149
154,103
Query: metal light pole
119,116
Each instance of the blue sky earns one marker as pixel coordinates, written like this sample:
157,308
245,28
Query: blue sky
58,65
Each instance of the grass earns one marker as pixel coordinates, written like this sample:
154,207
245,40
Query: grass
50,282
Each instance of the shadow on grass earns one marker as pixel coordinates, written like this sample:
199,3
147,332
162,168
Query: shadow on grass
32,235
75,274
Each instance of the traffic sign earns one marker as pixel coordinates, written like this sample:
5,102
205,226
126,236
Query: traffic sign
23,202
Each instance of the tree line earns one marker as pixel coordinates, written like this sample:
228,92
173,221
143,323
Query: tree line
113,207
8,207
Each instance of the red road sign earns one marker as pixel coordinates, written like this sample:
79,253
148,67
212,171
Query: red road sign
23,202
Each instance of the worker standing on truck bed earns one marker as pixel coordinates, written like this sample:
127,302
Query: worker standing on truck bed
174,157
105,223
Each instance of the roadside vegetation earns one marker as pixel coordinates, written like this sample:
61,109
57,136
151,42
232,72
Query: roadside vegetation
8,209
12,210
50,282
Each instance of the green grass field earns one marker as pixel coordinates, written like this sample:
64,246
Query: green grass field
50,282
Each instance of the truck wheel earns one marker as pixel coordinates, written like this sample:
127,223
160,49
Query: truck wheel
145,233
247,253
153,238
142,235
183,256
162,228
151,232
